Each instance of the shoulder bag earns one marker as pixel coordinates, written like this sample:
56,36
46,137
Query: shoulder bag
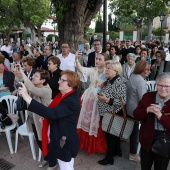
117,125
161,146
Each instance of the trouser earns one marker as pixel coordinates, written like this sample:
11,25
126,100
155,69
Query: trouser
148,158
66,165
113,146
134,138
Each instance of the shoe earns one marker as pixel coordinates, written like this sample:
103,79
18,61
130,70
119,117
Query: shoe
52,168
43,164
105,162
134,157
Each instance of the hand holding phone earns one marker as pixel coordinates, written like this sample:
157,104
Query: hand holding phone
13,67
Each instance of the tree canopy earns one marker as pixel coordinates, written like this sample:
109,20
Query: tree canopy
141,9
31,13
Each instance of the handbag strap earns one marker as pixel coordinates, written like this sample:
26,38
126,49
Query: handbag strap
123,108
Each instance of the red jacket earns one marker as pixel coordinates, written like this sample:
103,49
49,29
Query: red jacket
147,129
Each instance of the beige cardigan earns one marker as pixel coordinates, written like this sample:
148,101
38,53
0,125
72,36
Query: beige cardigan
42,95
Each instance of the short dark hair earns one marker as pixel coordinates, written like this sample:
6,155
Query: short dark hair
162,53
44,74
55,60
73,78
138,46
19,53
64,42
50,47
145,49
97,40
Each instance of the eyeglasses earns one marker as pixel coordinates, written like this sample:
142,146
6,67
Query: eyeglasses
162,86
64,47
62,80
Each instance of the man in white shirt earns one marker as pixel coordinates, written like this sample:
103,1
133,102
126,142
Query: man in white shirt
6,47
67,59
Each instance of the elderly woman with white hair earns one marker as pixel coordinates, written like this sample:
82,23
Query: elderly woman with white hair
153,112
109,100
127,68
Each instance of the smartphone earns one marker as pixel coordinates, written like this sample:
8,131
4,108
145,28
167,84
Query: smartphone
100,94
13,67
17,84
80,53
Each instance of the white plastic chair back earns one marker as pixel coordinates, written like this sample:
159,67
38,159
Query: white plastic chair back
151,85
10,101
23,131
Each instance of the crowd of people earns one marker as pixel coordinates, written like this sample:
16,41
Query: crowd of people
64,121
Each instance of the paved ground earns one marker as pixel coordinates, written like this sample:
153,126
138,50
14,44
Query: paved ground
23,158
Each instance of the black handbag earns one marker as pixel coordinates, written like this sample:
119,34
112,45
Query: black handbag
4,119
161,146
20,104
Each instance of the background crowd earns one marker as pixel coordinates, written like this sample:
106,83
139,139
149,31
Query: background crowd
51,72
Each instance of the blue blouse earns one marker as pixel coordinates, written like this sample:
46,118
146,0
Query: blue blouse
3,93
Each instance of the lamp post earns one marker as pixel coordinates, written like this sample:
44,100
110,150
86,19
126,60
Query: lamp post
162,17
104,24
54,24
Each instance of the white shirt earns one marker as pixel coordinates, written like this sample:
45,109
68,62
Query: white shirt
96,54
7,64
67,63
129,71
7,49
115,58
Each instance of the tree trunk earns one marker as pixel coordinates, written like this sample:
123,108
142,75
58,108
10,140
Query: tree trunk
138,33
76,19
39,31
149,29
33,34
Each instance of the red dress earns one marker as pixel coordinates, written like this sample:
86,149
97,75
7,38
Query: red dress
92,144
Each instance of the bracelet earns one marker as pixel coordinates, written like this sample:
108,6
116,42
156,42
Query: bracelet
107,101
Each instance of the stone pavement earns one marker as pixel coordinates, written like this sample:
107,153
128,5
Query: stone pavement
23,158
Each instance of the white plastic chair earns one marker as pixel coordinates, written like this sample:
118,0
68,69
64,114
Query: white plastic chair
10,101
151,85
23,131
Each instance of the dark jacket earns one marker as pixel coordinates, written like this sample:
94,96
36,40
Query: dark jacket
8,80
41,63
53,83
63,122
147,129
91,59
31,74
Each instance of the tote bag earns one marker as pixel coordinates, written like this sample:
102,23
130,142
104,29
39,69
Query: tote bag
120,126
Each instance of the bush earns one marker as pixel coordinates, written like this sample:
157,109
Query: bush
113,35
49,37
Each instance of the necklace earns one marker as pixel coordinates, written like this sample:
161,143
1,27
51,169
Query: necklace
100,70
